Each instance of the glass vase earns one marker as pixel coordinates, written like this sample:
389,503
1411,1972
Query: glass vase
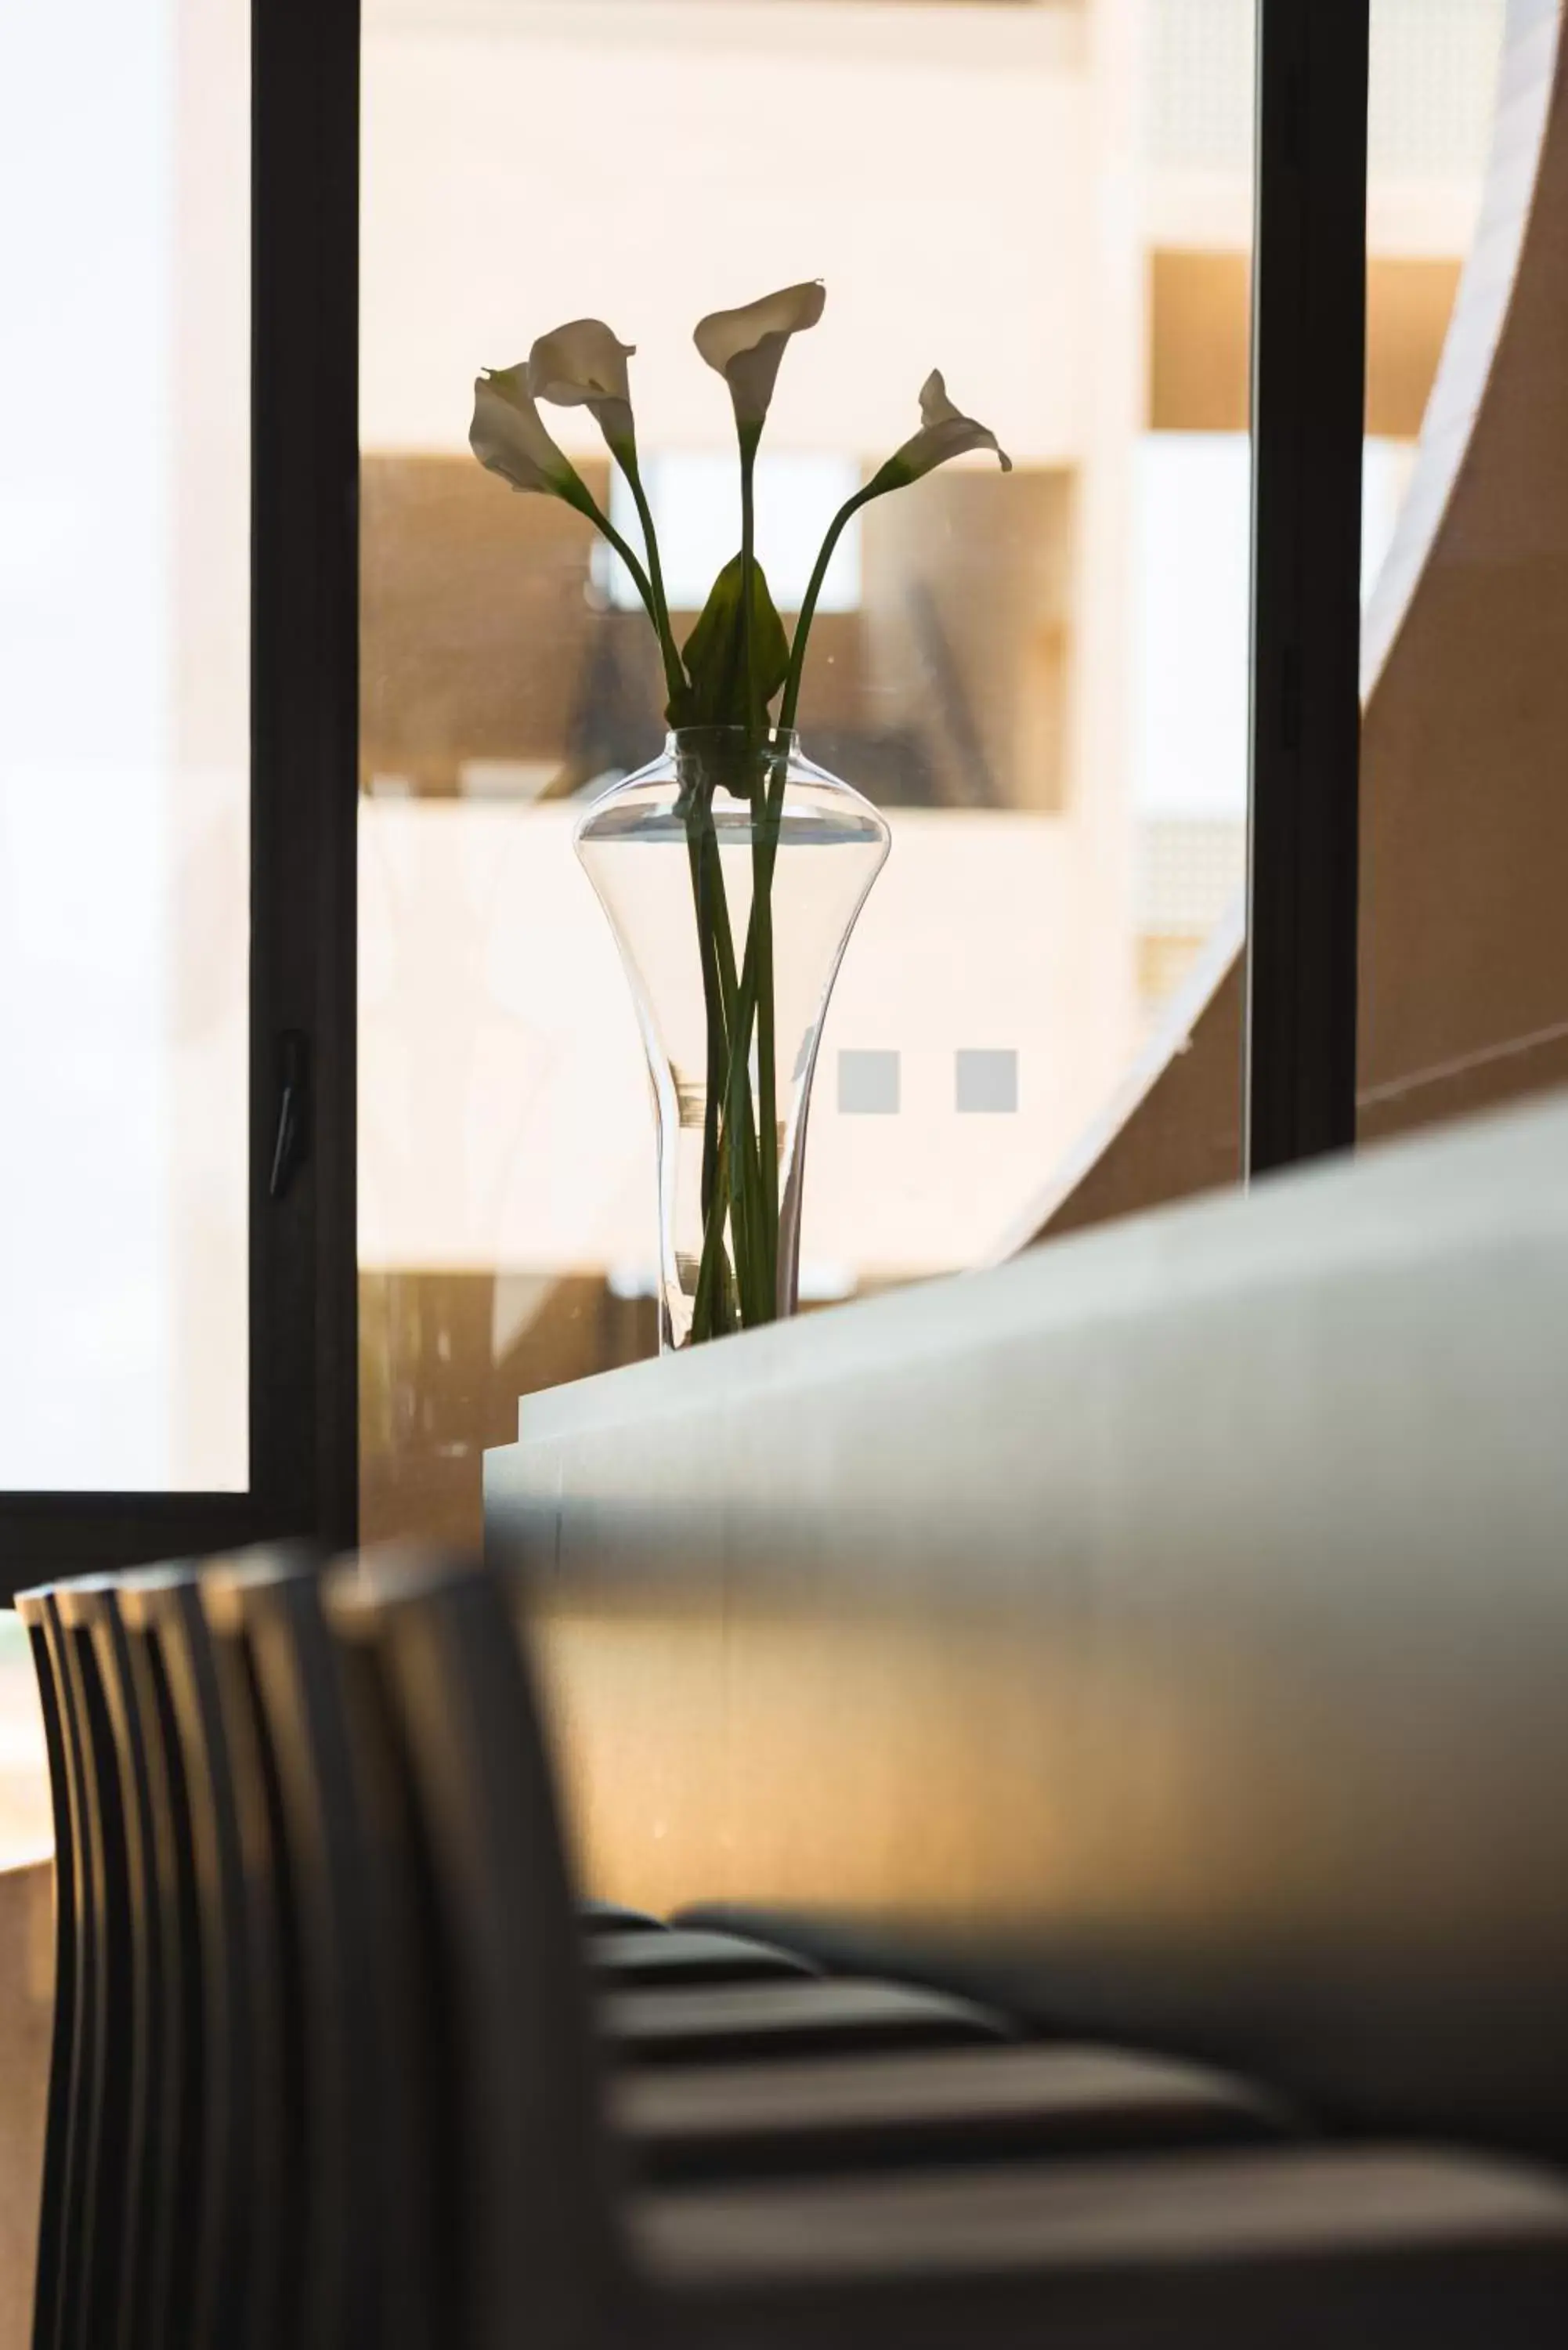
731,871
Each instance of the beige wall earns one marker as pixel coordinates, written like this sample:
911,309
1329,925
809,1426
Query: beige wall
877,147
1200,356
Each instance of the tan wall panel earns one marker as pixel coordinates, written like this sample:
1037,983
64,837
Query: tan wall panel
1201,326
1201,307
967,598
1408,305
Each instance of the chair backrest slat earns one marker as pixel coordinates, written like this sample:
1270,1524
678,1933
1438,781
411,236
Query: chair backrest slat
101,2119
424,2245
269,1632
141,2266
543,2257
238,2225
175,2154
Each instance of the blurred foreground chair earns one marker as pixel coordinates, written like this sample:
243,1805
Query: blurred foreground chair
359,1872
199,2185
331,2058
1251,2248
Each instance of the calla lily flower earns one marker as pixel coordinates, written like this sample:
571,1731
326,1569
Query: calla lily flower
508,437
582,365
746,346
945,432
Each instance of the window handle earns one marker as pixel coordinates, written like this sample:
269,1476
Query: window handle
290,1144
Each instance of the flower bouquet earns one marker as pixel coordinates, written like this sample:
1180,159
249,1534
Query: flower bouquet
732,868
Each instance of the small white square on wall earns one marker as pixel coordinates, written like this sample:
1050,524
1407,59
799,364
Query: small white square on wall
869,1084
986,1081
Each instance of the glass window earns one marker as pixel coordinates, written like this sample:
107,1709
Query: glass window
1431,102
1042,678
1464,981
124,821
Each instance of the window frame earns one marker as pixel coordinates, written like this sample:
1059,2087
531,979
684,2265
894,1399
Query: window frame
1309,373
304,1432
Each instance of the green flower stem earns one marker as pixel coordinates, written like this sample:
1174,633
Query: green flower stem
735,1193
764,845
737,1109
749,436
625,455
745,1184
652,603
745,1004
836,530
744,1188
756,989
766,1233
730,1181
718,1058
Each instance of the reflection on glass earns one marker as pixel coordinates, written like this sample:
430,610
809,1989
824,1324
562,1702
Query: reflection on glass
124,595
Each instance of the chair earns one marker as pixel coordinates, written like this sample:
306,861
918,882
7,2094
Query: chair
175,2152
280,1674
686,1959
176,2208
1310,2247
126,2003
900,2111
170,2171
94,2235
615,1918
139,1962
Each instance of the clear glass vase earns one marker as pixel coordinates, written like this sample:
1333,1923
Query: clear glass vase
732,873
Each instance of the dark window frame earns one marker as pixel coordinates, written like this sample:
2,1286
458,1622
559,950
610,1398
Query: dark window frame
1309,370
304,1419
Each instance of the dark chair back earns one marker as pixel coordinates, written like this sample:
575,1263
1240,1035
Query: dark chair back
424,2249
173,2151
98,2146
37,1611
134,1967
276,1653
239,2285
541,2260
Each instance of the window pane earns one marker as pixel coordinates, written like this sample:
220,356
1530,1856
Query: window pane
124,527
1041,677
1431,104
1464,979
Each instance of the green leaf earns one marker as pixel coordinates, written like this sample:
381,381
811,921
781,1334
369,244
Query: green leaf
716,654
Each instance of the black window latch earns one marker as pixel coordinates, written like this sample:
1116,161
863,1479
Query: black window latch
290,1144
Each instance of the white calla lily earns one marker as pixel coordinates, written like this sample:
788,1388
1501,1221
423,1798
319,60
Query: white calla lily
746,346
582,365
945,432
508,437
